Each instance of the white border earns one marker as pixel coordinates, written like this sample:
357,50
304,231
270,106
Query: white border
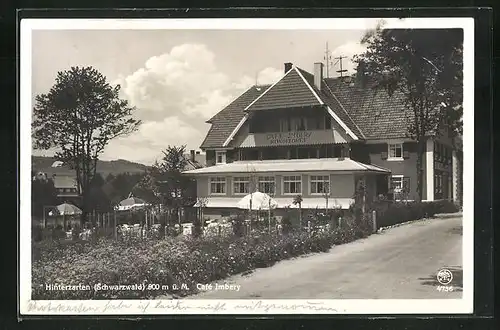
348,306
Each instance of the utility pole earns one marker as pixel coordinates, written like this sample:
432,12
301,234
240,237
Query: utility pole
339,60
328,61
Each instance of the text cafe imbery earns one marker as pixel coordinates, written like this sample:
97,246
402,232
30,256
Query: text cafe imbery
288,138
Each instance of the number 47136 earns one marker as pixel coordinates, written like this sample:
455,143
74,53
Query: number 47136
445,288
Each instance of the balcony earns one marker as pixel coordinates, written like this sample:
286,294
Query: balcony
293,138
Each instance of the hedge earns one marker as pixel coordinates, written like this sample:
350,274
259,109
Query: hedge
391,213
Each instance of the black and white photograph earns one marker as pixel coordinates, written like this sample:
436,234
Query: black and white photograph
246,166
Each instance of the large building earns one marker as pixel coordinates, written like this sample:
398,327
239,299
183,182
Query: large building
317,137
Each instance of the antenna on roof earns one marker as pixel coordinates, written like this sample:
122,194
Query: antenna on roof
339,60
328,60
257,78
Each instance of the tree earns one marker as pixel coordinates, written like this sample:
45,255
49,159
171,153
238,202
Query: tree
124,184
110,177
423,67
178,190
147,188
98,200
78,117
43,194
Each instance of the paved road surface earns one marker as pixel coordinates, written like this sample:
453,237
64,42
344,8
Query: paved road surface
399,263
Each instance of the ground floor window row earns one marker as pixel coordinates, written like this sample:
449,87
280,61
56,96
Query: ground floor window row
291,184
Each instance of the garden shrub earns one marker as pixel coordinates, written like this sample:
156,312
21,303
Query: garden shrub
238,224
286,223
166,262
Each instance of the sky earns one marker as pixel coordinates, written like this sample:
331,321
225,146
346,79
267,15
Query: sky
178,79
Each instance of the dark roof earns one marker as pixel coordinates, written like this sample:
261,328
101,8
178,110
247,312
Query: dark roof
224,122
370,113
64,181
288,92
378,115
329,98
199,161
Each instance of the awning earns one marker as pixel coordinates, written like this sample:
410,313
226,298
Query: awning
283,202
290,165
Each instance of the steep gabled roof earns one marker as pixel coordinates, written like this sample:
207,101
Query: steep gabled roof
295,89
290,91
363,111
224,122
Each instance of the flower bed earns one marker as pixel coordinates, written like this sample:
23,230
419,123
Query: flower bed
171,263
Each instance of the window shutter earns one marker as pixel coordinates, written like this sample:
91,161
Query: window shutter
384,155
406,154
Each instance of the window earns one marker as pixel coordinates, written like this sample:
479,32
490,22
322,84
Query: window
293,124
267,185
218,186
220,157
241,185
292,185
320,184
395,151
400,186
397,183
323,151
284,124
316,123
337,151
298,124
438,184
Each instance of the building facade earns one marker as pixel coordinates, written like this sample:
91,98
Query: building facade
318,137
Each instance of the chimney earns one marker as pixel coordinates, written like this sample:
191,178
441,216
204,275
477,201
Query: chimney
318,74
288,67
361,74
192,155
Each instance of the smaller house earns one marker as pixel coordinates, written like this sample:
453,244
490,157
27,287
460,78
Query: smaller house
66,187
195,160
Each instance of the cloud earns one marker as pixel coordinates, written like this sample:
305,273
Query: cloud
185,80
348,50
146,144
175,93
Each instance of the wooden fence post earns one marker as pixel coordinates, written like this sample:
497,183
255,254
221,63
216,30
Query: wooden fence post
374,218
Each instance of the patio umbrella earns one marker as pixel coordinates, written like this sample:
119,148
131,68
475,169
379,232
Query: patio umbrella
68,209
257,201
130,203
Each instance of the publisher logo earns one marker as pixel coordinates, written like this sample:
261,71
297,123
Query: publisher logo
444,276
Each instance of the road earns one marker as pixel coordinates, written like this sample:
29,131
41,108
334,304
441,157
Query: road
398,263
